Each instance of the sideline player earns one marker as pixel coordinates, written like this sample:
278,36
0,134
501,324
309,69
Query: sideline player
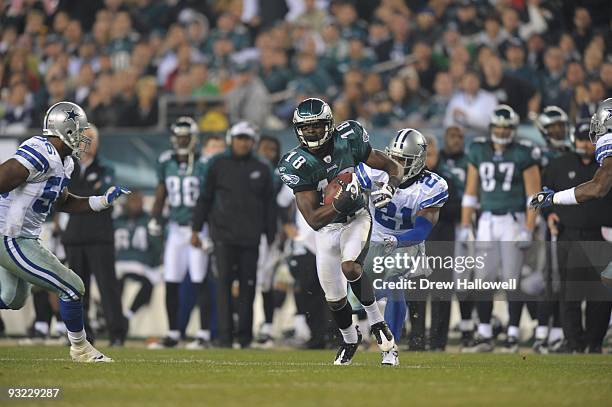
403,225
181,179
505,173
343,228
31,182
601,135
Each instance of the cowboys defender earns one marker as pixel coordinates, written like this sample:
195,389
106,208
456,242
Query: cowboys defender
181,179
601,135
505,173
343,228
404,224
32,182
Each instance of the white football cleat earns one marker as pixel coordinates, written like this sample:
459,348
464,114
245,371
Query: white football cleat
390,358
383,335
86,353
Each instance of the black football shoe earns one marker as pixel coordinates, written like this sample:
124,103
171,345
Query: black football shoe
347,350
383,335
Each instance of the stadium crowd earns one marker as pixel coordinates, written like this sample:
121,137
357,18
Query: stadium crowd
388,63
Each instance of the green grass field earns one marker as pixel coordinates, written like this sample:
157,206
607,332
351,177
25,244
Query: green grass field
306,378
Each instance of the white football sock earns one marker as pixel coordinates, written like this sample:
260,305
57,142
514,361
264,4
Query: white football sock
349,334
301,327
203,334
374,314
175,334
77,338
485,331
513,331
466,325
42,327
60,328
556,333
541,332
265,329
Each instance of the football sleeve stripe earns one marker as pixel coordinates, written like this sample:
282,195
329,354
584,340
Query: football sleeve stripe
363,177
436,200
38,156
603,152
30,159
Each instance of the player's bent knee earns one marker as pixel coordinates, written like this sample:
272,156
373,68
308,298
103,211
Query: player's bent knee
351,270
16,298
336,305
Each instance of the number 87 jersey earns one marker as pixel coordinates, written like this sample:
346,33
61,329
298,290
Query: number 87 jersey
428,190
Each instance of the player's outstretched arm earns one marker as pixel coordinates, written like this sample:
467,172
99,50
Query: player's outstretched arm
470,196
316,215
596,188
12,174
78,204
599,186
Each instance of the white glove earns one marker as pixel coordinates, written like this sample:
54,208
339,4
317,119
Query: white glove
207,245
390,243
465,234
100,202
524,239
381,197
154,228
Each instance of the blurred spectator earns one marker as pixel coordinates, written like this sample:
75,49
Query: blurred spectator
436,109
568,46
228,27
467,20
426,29
536,23
517,93
516,66
142,112
550,80
424,64
312,17
273,70
492,36
16,114
249,99
101,107
582,28
471,107
310,76
593,59
84,83
201,85
596,92
399,106
606,77
400,45
349,23
358,56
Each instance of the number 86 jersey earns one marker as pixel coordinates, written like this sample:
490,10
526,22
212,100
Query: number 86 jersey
24,209
429,190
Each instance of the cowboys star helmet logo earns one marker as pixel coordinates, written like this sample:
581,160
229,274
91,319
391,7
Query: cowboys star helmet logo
71,115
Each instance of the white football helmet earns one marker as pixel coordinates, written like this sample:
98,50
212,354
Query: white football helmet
67,121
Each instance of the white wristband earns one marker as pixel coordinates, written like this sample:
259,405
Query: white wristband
565,197
469,201
97,203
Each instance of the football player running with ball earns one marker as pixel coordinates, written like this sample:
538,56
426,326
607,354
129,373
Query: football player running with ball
181,178
601,135
343,227
403,225
504,172
32,182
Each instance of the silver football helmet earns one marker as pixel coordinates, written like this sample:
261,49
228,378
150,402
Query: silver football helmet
184,135
504,116
551,115
313,123
67,121
242,128
601,121
409,148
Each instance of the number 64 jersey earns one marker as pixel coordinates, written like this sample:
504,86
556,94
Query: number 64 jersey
428,191
24,209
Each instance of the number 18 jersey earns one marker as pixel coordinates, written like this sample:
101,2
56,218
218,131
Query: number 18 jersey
429,191
183,185
24,209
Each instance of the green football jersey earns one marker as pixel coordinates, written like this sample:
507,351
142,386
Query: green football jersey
302,170
501,174
134,243
183,185
457,166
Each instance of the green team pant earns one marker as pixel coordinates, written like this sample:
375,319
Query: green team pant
24,261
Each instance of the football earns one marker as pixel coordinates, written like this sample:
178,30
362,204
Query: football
332,189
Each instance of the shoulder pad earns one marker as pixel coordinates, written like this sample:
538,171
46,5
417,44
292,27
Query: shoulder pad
165,156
